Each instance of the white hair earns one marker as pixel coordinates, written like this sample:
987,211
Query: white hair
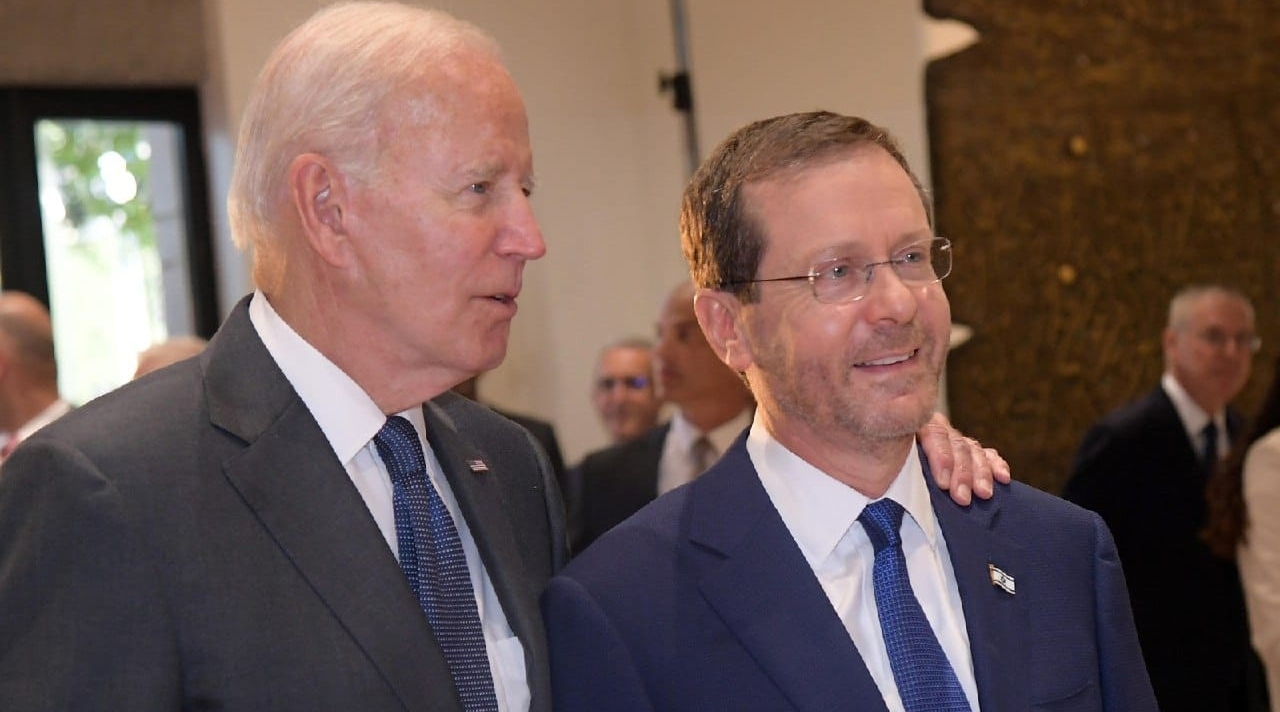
1184,301
322,90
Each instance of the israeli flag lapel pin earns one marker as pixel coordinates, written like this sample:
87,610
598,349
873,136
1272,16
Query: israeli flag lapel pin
1000,579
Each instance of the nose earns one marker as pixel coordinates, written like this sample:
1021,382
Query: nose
521,236
888,298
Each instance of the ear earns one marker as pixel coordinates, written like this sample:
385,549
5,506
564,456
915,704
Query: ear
1168,339
319,196
719,314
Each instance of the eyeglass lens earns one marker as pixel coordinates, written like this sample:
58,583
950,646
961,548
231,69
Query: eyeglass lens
918,264
1219,339
631,383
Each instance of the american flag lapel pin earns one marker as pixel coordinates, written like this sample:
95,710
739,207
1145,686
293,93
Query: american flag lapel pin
477,466
1000,579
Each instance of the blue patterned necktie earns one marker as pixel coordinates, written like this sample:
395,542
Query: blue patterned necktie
926,682
432,559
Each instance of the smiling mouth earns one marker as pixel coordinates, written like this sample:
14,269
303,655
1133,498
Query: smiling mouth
889,360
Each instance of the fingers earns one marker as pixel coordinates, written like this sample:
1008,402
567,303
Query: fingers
981,466
961,464
999,467
966,477
936,438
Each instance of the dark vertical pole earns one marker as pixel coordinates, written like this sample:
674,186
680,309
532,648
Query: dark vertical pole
681,88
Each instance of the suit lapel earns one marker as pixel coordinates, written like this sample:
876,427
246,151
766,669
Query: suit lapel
757,580
651,463
995,619
1185,451
481,499
288,476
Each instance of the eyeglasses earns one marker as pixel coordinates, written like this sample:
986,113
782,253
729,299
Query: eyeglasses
1219,339
631,383
841,279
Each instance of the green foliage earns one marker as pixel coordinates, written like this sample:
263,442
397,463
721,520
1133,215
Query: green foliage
77,149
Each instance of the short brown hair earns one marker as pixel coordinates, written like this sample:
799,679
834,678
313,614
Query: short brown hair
722,241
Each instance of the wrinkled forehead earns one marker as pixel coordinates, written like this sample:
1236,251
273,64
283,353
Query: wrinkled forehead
624,360
468,83
625,357
851,204
1220,310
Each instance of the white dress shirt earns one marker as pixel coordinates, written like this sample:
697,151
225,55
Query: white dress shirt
674,468
822,515
1194,419
1259,557
349,419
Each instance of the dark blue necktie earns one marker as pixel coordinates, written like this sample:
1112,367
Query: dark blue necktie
432,559
1209,458
924,677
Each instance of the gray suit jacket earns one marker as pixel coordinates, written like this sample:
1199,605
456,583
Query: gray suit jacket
190,541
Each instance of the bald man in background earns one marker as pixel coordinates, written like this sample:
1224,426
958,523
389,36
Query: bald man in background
29,397
168,352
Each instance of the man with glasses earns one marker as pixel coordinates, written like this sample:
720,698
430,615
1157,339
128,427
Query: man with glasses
1144,467
622,390
813,567
711,407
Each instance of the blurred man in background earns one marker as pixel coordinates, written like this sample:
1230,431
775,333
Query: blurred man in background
1144,468
623,390
29,397
168,352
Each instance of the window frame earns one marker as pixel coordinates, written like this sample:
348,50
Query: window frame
22,255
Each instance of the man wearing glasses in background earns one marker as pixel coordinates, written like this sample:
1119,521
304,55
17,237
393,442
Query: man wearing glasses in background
711,407
1144,467
622,391
813,567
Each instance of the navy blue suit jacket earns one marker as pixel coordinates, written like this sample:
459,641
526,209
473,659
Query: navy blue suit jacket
703,601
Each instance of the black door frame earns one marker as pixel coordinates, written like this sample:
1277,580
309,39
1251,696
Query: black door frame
22,257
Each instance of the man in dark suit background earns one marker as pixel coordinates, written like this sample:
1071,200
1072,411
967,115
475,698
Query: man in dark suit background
776,580
1144,468
711,402
622,389
226,533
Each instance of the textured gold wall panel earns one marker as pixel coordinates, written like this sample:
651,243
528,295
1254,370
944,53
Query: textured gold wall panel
1090,158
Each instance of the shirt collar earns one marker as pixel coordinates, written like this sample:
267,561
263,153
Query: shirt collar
1192,415
818,509
52,412
683,433
347,416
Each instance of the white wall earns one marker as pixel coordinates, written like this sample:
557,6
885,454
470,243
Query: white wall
608,147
